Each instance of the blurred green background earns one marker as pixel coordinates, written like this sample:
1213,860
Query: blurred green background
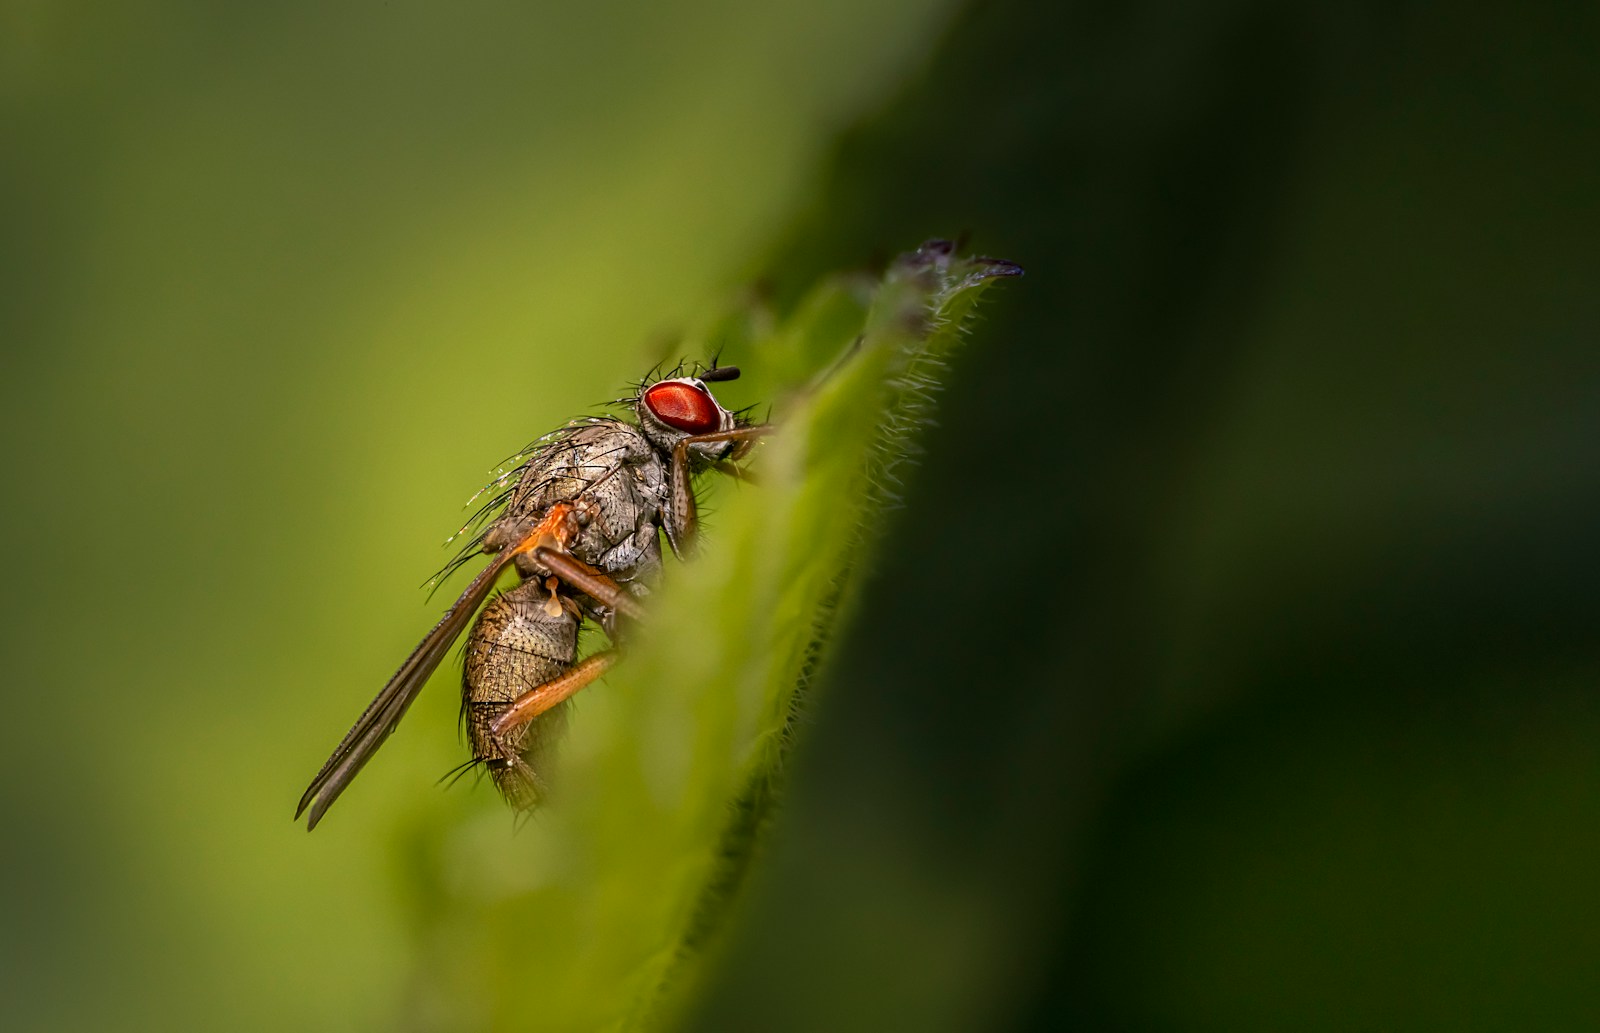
1230,666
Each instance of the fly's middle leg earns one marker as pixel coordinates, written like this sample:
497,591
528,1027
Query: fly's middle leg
589,581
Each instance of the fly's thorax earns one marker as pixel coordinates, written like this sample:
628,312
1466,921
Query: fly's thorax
671,410
606,469
579,455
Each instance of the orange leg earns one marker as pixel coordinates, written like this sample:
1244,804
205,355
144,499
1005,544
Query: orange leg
537,700
588,580
548,541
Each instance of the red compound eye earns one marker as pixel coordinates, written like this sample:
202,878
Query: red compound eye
684,406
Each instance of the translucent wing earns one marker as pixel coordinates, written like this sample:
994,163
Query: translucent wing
383,714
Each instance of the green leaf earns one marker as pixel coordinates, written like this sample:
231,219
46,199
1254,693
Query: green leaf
601,911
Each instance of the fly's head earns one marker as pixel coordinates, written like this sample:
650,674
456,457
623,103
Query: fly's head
676,408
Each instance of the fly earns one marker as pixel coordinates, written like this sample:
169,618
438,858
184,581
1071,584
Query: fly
581,526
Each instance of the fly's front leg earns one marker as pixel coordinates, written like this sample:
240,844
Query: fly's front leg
682,523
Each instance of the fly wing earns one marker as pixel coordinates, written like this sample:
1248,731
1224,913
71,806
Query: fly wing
385,712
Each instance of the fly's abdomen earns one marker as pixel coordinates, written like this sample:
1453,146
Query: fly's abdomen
522,639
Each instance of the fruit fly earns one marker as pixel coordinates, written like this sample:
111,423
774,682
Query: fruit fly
581,524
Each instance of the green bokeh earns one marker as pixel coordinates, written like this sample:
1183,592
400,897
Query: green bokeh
1230,666
1235,665
282,285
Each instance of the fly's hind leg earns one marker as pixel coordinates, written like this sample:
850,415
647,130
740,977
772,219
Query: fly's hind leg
520,664
520,668
541,700
549,694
